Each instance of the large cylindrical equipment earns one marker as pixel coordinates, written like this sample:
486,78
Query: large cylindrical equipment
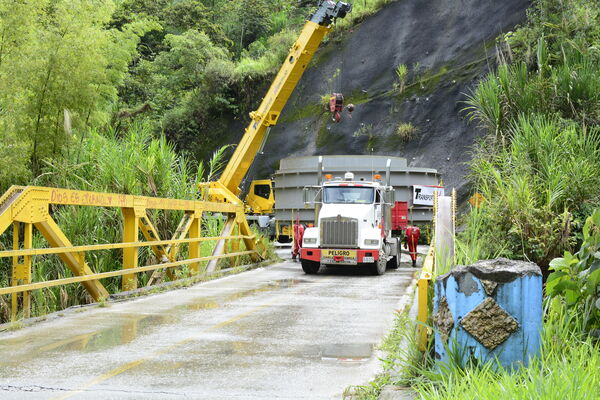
295,173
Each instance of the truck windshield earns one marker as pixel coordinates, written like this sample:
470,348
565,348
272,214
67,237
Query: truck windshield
348,195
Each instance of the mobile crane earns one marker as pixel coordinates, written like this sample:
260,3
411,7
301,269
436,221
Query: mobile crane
226,189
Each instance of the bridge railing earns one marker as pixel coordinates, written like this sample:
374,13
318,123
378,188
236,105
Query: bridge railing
441,253
26,208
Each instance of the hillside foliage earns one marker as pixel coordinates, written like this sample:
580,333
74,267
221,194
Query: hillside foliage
188,67
130,97
538,166
191,69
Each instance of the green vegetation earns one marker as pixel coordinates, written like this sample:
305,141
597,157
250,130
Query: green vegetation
57,59
361,10
401,354
570,354
537,168
406,131
401,74
576,279
133,162
368,131
185,67
538,189
566,368
128,96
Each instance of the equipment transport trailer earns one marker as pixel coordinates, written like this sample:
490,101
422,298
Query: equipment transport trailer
295,173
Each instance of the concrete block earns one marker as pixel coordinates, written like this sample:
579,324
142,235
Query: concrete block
489,310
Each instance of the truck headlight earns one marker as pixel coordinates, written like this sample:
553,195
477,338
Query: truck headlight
310,240
371,242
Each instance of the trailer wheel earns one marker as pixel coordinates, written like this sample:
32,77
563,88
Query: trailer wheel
394,262
310,267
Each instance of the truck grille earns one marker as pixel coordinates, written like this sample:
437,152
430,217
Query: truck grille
339,232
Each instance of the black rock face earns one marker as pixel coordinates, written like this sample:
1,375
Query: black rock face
449,42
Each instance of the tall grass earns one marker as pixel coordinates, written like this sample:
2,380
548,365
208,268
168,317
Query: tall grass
401,362
470,245
571,91
406,131
401,73
567,367
537,167
535,188
537,170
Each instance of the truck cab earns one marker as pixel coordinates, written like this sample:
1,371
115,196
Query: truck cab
353,227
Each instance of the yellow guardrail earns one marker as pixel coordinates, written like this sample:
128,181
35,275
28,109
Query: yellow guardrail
28,207
423,298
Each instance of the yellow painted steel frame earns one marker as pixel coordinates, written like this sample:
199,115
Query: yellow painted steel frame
29,206
423,298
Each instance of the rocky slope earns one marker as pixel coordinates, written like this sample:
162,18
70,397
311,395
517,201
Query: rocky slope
447,45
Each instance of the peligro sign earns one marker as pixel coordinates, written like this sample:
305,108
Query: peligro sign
423,195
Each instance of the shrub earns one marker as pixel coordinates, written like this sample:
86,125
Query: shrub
530,203
406,131
401,73
576,278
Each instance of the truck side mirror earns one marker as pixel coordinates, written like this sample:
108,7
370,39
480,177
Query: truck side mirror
305,198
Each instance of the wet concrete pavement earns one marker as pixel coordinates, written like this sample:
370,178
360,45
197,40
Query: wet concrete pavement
270,333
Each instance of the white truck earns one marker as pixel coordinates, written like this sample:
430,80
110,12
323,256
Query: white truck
354,226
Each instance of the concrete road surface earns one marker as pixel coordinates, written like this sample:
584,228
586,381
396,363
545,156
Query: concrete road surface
271,333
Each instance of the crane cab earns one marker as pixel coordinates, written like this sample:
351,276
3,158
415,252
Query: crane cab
260,199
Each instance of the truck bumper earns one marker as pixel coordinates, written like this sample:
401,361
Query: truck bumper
315,255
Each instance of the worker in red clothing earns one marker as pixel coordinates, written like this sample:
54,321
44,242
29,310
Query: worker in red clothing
350,108
336,105
298,235
412,240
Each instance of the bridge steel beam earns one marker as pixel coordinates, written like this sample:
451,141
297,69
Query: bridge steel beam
28,207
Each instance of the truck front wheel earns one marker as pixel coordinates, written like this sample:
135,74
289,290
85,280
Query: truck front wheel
393,263
378,267
310,267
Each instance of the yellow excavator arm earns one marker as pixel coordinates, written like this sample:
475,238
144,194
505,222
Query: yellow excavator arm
315,29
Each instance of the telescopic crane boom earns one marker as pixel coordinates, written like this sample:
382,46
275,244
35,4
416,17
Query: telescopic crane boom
302,51
226,189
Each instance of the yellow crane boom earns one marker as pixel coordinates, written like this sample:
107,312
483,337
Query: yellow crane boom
315,29
226,189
